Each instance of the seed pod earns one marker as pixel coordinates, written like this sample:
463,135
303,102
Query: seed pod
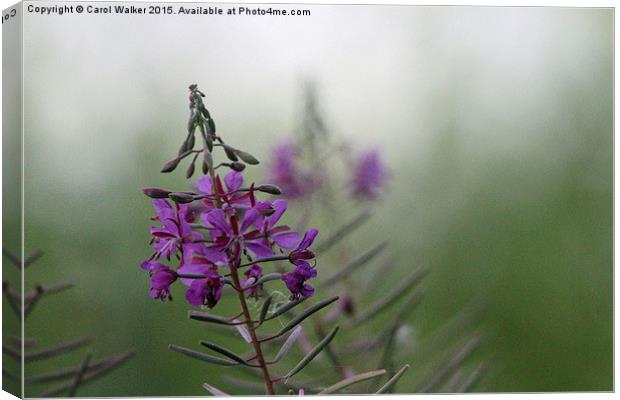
237,166
156,193
181,198
271,189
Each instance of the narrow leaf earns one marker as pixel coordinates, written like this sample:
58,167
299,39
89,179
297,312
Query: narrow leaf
355,263
342,232
288,343
391,297
265,309
224,351
306,313
388,385
242,331
214,391
80,376
352,380
313,353
206,317
285,308
201,356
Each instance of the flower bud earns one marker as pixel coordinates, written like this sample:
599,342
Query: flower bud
156,193
190,171
271,189
180,197
237,166
170,165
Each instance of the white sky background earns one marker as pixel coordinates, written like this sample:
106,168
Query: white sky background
383,73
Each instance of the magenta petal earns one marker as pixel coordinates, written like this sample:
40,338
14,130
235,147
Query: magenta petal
286,240
308,238
259,249
204,185
250,218
217,219
280,207
233,180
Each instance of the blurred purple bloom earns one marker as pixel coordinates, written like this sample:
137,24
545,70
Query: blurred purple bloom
369,175
284,172
205,291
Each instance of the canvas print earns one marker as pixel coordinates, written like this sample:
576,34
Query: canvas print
214,199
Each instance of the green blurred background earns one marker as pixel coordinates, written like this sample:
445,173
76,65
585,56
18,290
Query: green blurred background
496,123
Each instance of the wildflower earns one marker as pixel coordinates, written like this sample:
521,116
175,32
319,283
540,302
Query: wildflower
295,280
206,291
233,182
281,235
369,176
253,274
285,172
302,253
161,279
175,234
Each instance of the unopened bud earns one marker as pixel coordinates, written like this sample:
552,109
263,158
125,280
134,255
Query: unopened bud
237,166
156,193
180,197
271,189
170,165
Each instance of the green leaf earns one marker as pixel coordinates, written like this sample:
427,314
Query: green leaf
342,232
265,309
201,356
313,353
392,297
246,157
214,391
355,263
288,343
388,385
285,308
305,314
206,317
242,331
224,351
364,376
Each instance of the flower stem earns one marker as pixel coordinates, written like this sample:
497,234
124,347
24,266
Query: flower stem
250,325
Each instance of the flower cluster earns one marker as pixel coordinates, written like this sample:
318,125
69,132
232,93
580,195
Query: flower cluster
221,228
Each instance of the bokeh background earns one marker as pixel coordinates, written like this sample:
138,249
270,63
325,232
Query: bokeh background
496,124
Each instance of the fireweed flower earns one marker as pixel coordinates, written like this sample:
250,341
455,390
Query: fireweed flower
253,274
233,182
295,280
284,171
271,234
369,175
161,279
175,235
205,292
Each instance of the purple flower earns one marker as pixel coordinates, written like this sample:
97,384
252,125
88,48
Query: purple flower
286,174
161,279
233,181
369,175
295,281
270,234
255,272
175,234
205,292
302,253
